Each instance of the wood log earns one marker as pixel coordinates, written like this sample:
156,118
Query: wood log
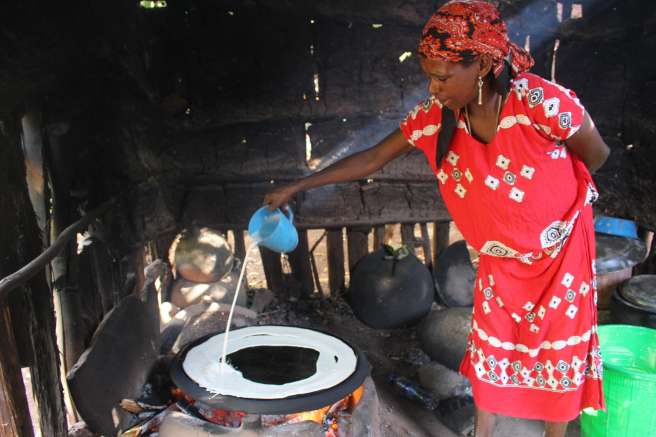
19,219
335,255
46,381
299,260
272,269
74,327
426,246
358,244
379,236
315,270
14,412
440,238
408,236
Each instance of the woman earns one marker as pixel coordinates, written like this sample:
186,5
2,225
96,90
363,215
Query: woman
516,180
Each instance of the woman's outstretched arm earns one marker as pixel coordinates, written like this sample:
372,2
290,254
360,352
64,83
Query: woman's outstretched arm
353,167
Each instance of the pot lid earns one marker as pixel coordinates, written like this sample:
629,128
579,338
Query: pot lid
641,291
618,253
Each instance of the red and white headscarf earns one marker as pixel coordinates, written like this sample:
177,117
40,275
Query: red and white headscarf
463,29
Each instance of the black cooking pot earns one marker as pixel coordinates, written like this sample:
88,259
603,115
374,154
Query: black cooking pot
288,405
634,303
390,289
454,276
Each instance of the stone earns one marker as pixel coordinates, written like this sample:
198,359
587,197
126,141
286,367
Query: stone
178,424
365,420
261,299
443,382
185,293
202,255
206,318
79,429
116,365
454,276
443,335
301,429
181,425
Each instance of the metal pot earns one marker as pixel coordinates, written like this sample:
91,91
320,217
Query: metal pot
634,303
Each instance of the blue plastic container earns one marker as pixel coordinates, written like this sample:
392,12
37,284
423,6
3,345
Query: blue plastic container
616,226
273,230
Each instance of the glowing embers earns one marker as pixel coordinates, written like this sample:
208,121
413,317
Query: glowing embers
335,362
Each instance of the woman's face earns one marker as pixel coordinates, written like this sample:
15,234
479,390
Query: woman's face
454,84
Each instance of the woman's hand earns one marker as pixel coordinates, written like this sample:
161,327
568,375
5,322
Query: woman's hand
279,197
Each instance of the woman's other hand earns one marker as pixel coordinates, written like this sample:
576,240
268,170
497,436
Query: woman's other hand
280,196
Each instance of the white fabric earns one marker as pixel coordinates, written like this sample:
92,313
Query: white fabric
336,362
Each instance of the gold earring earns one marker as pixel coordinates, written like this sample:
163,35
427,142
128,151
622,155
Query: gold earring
480,90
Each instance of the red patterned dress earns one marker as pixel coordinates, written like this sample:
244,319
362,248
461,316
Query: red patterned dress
524,202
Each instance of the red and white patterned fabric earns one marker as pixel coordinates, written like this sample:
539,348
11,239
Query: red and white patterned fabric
524,202
461,30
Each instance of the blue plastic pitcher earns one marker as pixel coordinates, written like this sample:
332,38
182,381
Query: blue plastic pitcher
273,230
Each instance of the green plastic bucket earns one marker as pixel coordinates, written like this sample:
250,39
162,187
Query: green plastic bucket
629,357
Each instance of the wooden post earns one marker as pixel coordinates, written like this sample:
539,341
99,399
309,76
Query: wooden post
46,382
335,255
426,246
379,236
440,239
408,236
14,412
358,244
272,269
299,260
19,219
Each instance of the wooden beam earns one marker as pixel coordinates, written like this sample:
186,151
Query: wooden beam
426,246
46,381
315,269
272,269
299,260
408,236
335,255
440,239
379,236
358,244
14,412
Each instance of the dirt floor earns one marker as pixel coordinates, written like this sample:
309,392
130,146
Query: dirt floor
387,350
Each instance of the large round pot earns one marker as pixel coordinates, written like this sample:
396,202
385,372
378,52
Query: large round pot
454,276
390,289
443,335
634,303
616,257
202,255
265,371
